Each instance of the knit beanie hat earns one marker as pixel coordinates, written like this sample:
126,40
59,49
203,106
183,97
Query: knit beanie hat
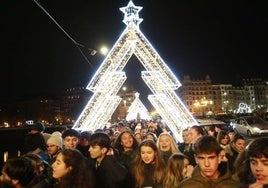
56,133
55,140
39,127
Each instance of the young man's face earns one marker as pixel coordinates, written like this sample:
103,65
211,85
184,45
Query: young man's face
52,149
208,163
97,152
259,169
70,142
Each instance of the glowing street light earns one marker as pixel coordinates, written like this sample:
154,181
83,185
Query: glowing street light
202,104
104,50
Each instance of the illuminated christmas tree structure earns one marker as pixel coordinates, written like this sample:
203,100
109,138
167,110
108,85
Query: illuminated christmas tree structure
137,110
109,78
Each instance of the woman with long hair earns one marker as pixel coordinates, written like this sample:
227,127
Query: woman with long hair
149,167
70,170
166,145
177,169
127,147
223,139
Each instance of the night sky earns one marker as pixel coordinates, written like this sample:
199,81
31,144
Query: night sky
225,39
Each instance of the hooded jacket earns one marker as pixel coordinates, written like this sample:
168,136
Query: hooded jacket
199,181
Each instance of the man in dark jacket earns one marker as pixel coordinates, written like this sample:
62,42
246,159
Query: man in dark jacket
209,172
109,172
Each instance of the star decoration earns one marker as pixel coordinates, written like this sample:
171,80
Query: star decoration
131,14
137,95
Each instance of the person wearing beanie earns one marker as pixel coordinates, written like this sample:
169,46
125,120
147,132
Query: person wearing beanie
56,133
55,140
83,145
39,127
34,141
46,136
54,146
70,138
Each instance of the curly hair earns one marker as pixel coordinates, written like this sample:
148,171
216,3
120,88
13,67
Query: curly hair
117,145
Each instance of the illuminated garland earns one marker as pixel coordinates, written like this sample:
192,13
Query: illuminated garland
109,78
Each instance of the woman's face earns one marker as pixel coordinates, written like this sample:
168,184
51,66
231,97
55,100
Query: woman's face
59,167
127,141
225,140
147,154
164,143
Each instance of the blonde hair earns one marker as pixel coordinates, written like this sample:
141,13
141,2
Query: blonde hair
174,148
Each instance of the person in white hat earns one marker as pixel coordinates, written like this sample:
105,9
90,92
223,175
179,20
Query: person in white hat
54,146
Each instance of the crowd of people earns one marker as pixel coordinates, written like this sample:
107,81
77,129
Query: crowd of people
137,154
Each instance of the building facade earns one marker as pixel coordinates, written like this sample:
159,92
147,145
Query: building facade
202,97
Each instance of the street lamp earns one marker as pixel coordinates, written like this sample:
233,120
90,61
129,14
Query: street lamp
226,105
202,104
225,102
197,106
104,50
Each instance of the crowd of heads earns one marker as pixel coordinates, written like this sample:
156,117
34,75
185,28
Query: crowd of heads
139,154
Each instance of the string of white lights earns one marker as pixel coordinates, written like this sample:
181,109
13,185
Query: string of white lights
109,78
136,109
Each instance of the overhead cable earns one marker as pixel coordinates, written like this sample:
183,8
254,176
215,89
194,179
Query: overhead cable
78,45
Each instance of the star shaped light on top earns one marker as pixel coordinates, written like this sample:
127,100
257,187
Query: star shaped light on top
137,95
131,14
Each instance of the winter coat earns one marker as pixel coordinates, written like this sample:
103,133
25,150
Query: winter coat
231,154
110,173
197,180
148,177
